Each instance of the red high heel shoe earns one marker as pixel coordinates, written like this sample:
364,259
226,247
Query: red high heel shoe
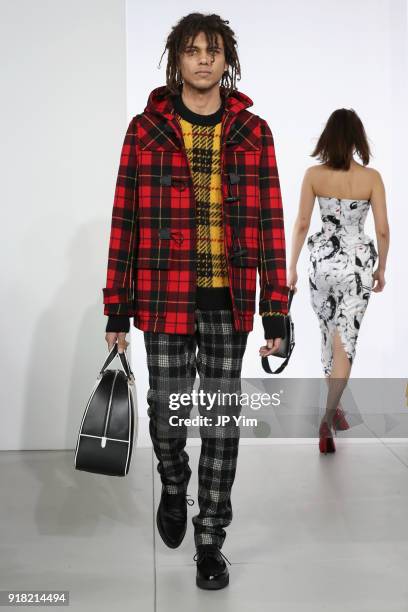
339,420
326,441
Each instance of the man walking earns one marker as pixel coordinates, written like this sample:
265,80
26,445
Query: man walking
197,212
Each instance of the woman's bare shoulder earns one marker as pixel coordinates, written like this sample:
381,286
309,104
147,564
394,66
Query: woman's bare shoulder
313,170
375,174
316,169
372,177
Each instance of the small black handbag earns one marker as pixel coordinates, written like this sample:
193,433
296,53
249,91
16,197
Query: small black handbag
105,438
287,343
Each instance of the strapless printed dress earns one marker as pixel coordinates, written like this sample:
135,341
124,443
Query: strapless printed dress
340,272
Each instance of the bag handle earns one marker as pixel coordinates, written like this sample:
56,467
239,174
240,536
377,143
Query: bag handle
124,360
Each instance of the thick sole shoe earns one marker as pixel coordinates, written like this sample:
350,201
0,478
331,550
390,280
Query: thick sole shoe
162,531
212,585
163,534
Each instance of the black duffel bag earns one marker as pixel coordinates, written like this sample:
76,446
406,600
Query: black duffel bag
105,438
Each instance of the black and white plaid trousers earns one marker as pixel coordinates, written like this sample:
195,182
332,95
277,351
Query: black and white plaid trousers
173,363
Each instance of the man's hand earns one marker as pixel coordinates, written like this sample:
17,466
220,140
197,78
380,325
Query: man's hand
120,337
272,346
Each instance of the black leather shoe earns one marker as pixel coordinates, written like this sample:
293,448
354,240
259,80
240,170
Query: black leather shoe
171,518
212,572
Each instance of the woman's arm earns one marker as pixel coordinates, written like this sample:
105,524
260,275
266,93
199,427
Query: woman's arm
301,225
382,229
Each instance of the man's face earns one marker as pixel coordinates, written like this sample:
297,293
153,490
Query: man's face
201,65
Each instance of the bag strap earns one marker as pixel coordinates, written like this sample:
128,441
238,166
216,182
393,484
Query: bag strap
267,367
291,293
124,360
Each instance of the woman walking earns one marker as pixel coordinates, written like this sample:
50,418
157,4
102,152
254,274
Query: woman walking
342,255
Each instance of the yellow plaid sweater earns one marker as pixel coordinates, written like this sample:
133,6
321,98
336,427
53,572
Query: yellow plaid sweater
202,141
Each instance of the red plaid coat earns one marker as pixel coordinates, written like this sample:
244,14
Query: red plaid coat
151,273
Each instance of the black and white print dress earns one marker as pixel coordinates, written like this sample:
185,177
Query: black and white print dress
340,271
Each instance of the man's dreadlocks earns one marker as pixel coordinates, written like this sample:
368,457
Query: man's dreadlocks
190,26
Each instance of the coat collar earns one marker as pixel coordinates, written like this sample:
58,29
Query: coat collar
159,102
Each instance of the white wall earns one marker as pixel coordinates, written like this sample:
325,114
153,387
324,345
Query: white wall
62,125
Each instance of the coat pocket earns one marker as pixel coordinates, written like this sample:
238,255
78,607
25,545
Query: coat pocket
154,248
243,258
151,271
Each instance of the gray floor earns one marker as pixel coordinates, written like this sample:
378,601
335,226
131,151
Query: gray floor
309,532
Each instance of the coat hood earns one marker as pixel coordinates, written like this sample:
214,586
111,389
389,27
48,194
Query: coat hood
159,101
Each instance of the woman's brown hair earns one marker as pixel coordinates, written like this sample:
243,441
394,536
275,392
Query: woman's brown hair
190,26
344,132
